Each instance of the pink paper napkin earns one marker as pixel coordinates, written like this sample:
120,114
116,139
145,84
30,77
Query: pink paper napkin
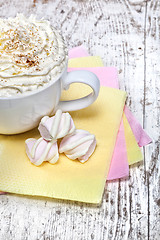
77,52
109,77
140,135
119,168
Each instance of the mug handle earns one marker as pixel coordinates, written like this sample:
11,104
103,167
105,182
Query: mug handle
80,76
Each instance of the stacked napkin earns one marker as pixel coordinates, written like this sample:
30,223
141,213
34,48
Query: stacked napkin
118,136
131,135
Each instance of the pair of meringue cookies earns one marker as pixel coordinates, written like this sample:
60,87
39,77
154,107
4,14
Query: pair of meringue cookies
76,143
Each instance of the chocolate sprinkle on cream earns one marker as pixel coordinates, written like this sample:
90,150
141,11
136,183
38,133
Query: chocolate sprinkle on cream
32,53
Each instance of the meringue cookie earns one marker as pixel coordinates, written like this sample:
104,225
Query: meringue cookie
57,126
79,145
40,150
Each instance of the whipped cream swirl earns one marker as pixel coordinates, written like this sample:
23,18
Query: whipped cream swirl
32,53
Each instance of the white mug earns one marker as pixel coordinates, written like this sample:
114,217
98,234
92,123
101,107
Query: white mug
23,112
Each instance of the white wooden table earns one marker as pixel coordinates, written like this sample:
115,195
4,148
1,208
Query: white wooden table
126,34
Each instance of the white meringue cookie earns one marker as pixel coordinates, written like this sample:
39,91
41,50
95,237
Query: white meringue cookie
40,150
57,126
79,145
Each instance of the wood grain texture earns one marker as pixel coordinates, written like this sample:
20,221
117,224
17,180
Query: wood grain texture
152,115
126,34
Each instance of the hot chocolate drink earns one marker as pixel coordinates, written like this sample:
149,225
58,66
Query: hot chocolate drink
32,53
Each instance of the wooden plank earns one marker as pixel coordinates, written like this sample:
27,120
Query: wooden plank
152,116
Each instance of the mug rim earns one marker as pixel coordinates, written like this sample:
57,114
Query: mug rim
36,91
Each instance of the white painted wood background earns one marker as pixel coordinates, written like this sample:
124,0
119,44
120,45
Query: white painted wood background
126,34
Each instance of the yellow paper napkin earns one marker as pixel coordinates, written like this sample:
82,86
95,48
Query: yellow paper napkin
85,62
66,179
134,153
